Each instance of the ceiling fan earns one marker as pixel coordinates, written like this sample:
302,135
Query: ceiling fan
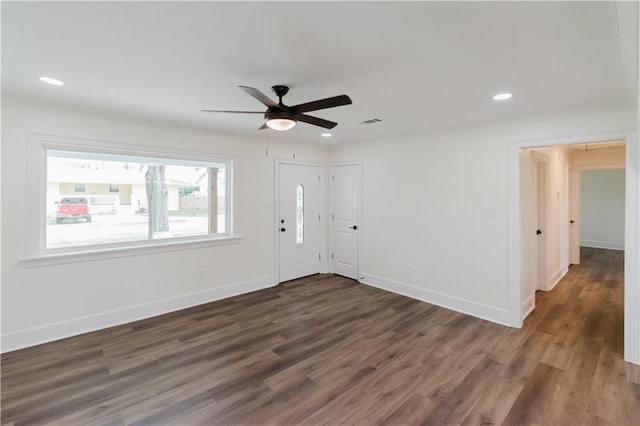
281,117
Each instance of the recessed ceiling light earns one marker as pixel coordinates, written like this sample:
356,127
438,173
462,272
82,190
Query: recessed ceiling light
53,81
502,96
326,135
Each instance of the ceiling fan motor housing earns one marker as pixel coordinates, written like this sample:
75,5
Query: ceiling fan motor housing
272,115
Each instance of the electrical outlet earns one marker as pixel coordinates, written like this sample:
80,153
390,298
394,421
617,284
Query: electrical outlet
490,213
203,274
409,269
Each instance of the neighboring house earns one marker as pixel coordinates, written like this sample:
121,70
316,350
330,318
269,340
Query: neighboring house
127,185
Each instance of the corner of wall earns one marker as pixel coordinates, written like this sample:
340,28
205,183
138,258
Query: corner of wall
457,304
528,305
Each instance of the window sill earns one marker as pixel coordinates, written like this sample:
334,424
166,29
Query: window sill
97,253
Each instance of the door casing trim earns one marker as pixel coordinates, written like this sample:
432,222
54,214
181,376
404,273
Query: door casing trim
632,230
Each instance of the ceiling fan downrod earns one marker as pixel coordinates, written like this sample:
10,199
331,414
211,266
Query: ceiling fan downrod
280,91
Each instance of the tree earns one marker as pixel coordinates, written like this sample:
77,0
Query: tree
157,199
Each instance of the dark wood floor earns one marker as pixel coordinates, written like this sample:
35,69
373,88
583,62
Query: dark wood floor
326,350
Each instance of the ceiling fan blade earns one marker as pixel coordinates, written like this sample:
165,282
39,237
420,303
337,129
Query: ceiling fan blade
316,121
264,126
260,96
321,104
233,112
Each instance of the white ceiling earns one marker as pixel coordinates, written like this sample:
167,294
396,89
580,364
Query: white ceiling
420,67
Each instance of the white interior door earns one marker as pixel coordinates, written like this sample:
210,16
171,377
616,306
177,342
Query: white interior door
542,229
345,181
299,222
574,217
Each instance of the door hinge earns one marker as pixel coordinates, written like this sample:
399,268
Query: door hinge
332,255
318,178
333,178
333,217
318,217
319,257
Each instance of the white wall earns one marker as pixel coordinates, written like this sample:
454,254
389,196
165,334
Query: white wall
425,202
602,208
45,302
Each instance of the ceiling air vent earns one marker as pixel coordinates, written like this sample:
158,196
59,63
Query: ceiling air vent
373,120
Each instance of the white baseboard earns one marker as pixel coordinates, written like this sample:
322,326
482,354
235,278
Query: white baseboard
468,307
61,330
557,276
602,244
528,305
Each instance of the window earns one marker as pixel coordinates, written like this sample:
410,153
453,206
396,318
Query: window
299,214
79,187
128,200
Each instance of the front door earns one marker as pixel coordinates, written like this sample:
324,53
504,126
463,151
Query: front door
345,181
299,221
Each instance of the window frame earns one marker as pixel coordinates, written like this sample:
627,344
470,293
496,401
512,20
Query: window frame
36,193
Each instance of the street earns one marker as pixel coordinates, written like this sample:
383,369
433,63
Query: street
117,228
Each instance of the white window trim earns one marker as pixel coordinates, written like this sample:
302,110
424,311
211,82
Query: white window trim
92,253
37,253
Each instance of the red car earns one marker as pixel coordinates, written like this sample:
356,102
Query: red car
73,208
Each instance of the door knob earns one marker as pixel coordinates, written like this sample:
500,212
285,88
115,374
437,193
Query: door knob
538,232
282,229
572,221
354,227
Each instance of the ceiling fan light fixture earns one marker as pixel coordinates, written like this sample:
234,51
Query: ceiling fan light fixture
280,120
281,124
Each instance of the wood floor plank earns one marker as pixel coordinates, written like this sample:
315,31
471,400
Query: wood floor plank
327,350
411,411
457,405
526,359
338,389
493,405
614,398
532,405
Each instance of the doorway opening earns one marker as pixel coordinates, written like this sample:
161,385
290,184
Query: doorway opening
562,246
